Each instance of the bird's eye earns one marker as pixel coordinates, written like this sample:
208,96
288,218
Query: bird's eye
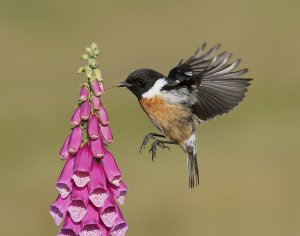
140,81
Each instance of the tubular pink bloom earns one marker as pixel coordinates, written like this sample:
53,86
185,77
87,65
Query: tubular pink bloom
90,223
78,205
75,119
119,192
106,134
82,167
104,230
93,127
102,88
109,213
97,185
85,110
103,117
58,209
120,227
111,169
75,140
96,102
64,184
70,228
84,93
64,154
97,147
96,88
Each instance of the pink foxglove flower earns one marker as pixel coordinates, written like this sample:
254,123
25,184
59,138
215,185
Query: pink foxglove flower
90,182
79,203
106,134
75,140
103,117
93,127
85,110
90,223
82,166
97,147
59,208
84,93
64,184
120,225
96,88
64,154
111,169
76,119
96,102
97,187
109,213
120,192
70,227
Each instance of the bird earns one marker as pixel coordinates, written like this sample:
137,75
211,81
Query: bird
197,90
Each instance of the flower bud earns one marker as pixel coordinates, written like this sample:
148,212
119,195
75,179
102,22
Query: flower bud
82,166
96,102
111,169
97,148
85,110
75,119
84,93
96,88
64,154
93,127
64,184
103,117
75,140
106,134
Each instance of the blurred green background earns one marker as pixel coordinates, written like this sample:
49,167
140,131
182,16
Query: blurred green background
249,160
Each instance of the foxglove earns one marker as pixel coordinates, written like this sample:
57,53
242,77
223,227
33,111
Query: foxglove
90,182
96,88
76,119
84,93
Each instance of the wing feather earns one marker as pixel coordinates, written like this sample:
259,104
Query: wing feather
218,88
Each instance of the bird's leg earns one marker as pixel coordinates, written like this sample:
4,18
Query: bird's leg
160,144
148,137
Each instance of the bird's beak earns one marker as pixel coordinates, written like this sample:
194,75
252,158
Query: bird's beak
123,84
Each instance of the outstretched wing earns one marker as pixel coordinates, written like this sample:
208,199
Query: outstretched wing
212,80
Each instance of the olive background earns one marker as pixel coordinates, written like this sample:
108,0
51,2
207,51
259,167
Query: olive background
249,160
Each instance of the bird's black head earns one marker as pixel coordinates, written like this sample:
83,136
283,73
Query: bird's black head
140,81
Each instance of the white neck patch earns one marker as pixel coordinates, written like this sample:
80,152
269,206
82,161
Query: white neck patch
155,90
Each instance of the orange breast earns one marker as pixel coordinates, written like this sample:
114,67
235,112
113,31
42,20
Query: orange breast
172,120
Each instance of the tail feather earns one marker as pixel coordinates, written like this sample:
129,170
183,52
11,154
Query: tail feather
190,149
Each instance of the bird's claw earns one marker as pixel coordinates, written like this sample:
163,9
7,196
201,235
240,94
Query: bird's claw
154,146
145,141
